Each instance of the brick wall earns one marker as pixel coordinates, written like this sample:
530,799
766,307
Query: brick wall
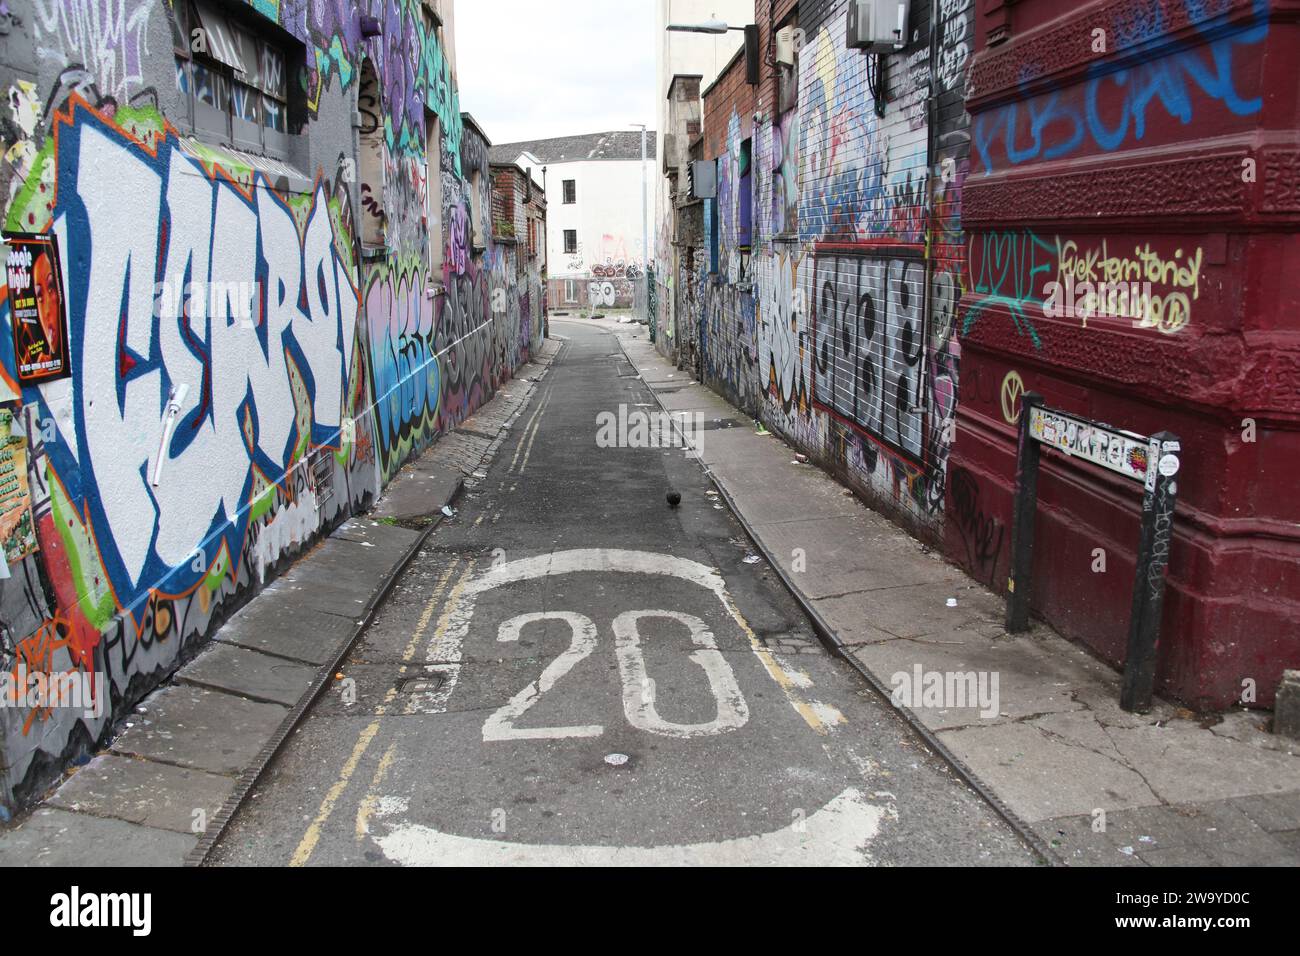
837,325
1166,154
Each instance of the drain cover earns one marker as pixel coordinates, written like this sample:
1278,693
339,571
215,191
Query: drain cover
420,683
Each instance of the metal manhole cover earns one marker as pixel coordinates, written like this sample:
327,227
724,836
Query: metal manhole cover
420,683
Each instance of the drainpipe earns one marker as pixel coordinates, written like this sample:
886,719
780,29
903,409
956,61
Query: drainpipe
931,157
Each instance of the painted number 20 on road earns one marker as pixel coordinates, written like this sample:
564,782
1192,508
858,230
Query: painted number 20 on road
639,704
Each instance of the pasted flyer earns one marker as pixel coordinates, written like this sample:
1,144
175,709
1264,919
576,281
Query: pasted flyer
17,532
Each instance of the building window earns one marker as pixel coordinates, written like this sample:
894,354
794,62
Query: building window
433,193
570,242
371,157
570,290
476,211
234,85
570,191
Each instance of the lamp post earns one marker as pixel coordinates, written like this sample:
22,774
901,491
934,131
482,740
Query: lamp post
645,229
708,26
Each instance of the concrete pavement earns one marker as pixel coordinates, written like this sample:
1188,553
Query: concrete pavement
1098,785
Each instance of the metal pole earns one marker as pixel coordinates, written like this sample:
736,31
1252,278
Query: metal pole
645,230
1158,501
1022,520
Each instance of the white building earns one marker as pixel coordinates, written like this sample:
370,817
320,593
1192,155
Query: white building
595,245
694,61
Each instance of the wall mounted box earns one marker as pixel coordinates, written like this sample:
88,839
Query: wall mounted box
876,26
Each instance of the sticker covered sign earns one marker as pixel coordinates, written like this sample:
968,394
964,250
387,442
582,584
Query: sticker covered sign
1120,451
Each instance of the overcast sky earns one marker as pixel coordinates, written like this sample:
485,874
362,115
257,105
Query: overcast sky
532,69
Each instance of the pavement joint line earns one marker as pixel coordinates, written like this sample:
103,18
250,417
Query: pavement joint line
142,758
823,630
287,658
229,692
249,777
100,815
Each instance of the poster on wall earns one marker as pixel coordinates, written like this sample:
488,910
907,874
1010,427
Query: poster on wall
17,533
36,308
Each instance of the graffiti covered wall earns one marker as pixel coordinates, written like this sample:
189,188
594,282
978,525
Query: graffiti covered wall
246,370
1126,233
829,311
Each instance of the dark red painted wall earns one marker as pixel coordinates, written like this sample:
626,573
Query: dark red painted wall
1135,158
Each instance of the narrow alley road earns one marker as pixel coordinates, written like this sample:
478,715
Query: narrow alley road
571,672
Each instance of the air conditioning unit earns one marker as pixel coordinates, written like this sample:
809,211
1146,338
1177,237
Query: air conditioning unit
785,45
877,26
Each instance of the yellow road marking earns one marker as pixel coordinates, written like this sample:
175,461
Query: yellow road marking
524,464
367,806
528,424
451,605
778,673
312,837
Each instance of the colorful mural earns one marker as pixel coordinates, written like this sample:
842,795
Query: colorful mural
247,369
834,319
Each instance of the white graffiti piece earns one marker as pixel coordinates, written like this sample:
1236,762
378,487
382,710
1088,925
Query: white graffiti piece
784,350
602,294
953,49
169,486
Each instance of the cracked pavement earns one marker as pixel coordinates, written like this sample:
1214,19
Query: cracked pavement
1099,785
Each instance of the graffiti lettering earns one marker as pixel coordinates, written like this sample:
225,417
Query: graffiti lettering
255,397
867,344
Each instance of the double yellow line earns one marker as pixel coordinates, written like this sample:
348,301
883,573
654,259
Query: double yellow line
534,424
311,838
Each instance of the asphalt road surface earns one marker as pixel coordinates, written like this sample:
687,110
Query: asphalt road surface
572,672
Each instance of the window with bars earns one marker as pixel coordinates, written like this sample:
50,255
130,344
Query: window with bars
233,83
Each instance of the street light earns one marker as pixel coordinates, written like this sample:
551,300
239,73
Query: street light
708,26
645,233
